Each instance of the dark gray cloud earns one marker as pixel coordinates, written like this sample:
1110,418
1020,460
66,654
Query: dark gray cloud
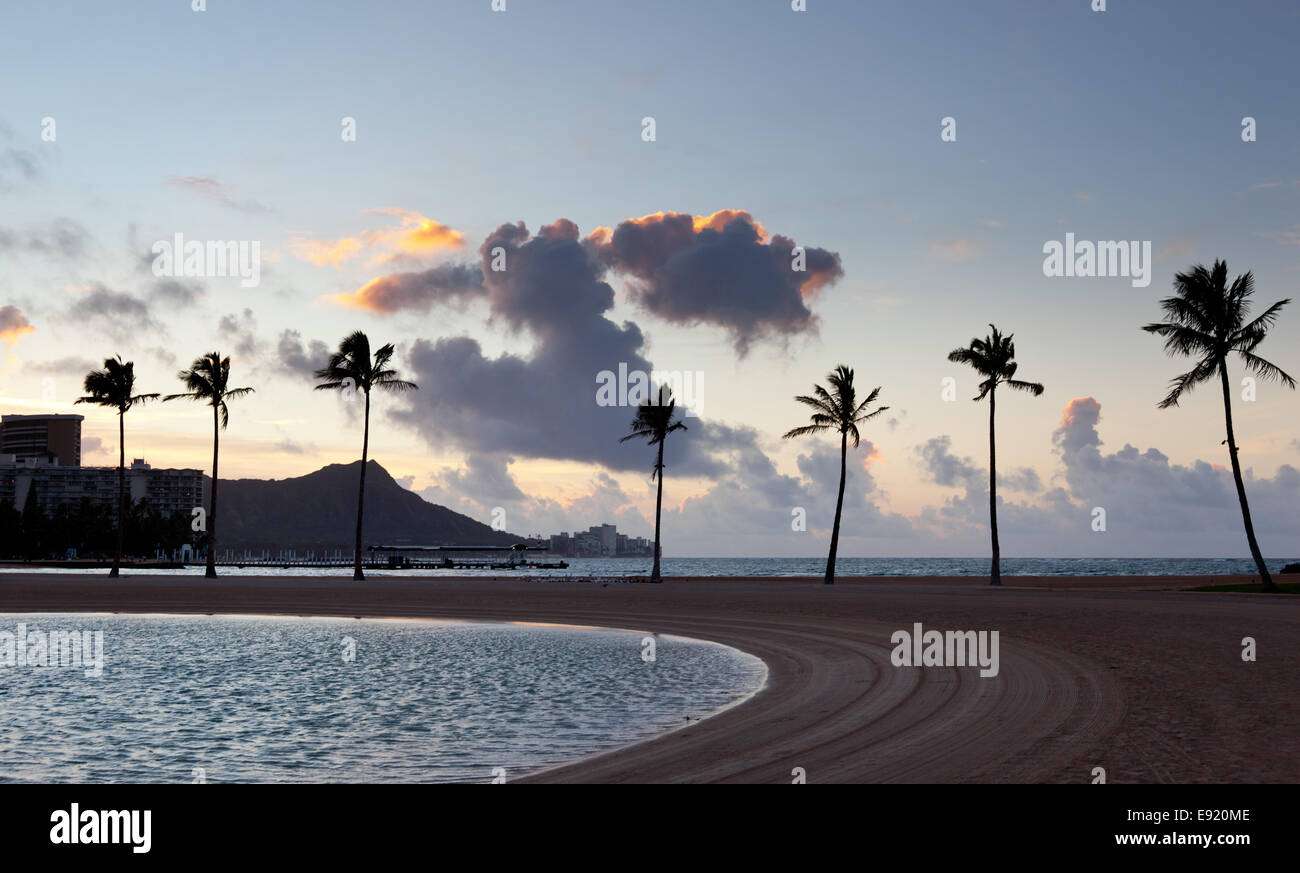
540,404
241,329
177,292
299,360
722,271
118,314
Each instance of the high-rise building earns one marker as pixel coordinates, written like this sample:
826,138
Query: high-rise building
52,438
561,544
168,491
600,540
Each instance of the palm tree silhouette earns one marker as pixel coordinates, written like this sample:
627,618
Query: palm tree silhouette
653,422
208,380
1206,320
838,410
112,387
351,369
994,358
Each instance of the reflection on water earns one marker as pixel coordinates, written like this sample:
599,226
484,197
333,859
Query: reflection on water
254,699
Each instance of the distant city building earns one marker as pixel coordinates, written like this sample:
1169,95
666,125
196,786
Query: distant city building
599,541
561,544
168,491
52,438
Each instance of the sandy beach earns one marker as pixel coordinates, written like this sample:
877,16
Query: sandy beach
1134,674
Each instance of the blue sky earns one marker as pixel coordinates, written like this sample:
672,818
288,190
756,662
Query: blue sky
823,126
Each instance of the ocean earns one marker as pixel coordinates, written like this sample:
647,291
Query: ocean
260,699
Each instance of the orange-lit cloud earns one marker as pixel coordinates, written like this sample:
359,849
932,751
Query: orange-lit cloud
716,221
322,252
13,325
415,235
870,453
417,291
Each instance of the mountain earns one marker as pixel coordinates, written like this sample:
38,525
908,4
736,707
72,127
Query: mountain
319,511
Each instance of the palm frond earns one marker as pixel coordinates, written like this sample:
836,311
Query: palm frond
1034,388
1180,385
1266,370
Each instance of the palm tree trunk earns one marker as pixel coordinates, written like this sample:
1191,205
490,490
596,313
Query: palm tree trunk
1255,553
211,572
357,574
659,505
995,573
839,507
121,496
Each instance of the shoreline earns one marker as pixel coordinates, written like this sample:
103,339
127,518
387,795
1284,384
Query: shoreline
1132,674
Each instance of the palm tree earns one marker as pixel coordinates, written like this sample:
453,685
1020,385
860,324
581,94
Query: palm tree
208,380
653,422
839,410
1206,320
351,368
113,387
994,358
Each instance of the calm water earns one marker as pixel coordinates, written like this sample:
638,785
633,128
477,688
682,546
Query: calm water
253,699
621,567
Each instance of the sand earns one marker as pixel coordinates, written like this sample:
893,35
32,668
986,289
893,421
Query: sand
1136,675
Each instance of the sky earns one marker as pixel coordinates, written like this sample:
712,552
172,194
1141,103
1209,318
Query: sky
379,155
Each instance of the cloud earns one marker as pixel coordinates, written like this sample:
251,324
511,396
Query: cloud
416,292
1192,508
723,270
19,166
177,292
63,238
92,446
1023,479
241,329
214,191
297,360
70,366
165,356
952,251
117,313
290,447
485,477
1287,237
13,325
1153,507
485,485
553,289
945,468
750,509
414,236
